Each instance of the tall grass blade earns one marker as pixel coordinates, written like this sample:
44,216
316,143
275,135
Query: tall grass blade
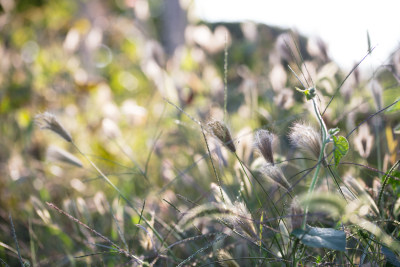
14,235
220,237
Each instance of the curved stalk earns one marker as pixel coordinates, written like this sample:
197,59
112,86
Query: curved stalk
321,157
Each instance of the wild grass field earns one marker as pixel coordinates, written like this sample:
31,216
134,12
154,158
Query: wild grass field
127,141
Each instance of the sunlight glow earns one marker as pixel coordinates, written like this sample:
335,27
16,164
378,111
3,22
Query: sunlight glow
342,24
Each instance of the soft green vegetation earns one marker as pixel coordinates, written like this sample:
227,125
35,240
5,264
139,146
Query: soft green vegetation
246,146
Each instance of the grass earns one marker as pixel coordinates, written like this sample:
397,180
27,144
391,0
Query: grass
261,174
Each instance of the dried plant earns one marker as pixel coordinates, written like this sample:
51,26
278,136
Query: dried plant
48,121
243,220
284,99
225,259
220,195
306,138
296,213
275,174
57,154
221,131
364,141
263,143
377,92
360,192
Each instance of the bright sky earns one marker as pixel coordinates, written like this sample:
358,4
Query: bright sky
342,24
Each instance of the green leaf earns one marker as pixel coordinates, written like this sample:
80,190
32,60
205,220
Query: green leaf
395,107
322,238
395,183
390,256
333,131
369,42
341,147
310,93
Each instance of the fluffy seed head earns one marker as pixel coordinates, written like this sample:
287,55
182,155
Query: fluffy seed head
364,141
48,121
57,154
360,192
220,131
296,212
275,174
306,138
220,195
263,143
377,91
226,259
243,220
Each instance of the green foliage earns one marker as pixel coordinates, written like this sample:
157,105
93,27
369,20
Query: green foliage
134,174
310,93
322,238
341,147
395,107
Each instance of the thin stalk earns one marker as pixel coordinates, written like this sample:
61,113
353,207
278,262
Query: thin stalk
385,180
226,78
262,187
248,178
103,175
212,163
118,191
321,156
378,147
266,193
16,240
126,153
119,249
31,243
294,250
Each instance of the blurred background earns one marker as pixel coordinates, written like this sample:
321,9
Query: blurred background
343,25
106,68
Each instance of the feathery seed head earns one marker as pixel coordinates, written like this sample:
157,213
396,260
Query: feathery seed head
220,195
242,219
296,212
377,92
263,143
226,259
364,141
48,121
57,154
275,174
360,192
348,194
220,131
306,138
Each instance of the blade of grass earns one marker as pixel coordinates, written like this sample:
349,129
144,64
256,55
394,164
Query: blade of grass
32,244
348,75
121,235
217,239
14,235
120,250
212,163
384,183
151,152
226,78
5,263
116,189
